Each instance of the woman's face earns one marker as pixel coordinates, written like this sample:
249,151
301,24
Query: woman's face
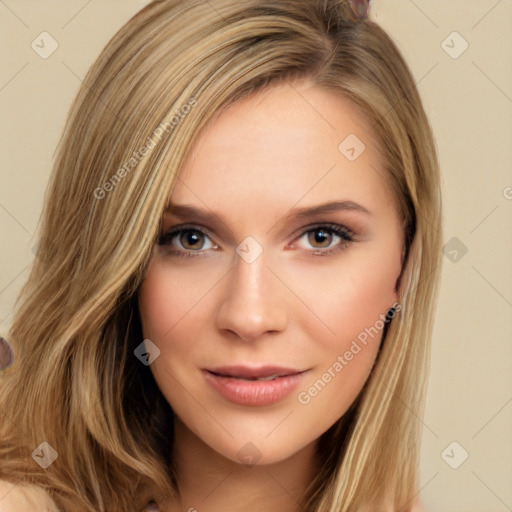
278,260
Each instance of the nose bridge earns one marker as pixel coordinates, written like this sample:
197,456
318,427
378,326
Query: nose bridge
251,303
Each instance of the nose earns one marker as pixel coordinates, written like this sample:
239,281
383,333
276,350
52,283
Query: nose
251,303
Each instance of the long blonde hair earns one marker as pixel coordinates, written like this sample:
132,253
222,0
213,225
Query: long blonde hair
171,70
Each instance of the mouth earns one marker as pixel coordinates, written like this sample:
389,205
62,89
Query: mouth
262,373
254,386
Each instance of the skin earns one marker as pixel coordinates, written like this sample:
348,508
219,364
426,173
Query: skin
263,157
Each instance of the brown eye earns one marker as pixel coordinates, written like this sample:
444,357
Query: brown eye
325,239
192,239
187,242
320,238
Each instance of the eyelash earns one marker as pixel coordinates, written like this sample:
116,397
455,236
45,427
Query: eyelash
344,233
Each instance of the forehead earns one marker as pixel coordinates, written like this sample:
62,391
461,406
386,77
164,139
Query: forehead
284,144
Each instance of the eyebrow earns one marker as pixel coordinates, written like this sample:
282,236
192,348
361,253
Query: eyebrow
296,214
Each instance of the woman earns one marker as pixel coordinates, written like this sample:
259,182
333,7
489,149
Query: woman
235,288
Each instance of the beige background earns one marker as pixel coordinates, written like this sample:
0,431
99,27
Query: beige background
469,101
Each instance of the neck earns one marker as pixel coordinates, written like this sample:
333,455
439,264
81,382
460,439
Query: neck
210,482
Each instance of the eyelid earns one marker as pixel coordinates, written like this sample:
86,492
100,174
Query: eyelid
337,229
343,232
302,231
170,233
329,225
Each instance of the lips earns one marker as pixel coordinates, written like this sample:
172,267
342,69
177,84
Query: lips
253,373
254,386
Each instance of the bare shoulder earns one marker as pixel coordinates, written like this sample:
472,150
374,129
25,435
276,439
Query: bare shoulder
18,498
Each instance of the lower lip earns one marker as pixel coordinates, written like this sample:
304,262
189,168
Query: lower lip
253,392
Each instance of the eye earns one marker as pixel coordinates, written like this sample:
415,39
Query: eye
186,241
319,240
332,237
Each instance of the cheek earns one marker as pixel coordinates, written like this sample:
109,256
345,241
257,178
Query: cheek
169,298
155,306
347,298
174,309
168,321
354,308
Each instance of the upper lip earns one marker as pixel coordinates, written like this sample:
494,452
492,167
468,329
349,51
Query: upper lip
253,372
